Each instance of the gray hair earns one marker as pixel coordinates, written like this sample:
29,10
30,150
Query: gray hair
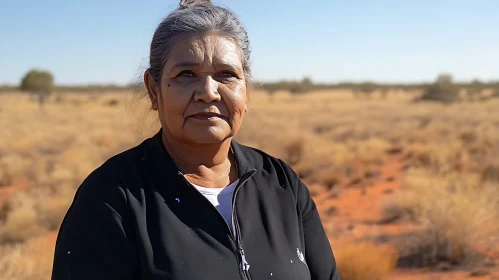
197,16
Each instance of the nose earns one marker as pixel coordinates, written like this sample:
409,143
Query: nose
207,91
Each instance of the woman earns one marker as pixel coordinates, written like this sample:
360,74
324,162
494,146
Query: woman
191,203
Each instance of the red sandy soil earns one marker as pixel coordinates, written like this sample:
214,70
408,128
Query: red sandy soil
358,211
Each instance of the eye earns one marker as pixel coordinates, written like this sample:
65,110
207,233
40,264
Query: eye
227,74
186,73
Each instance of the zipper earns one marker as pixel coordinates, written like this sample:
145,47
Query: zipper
235,231
235,226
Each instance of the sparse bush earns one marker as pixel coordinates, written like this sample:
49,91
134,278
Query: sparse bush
12,166
495,93
474,90
458,216
112,102
329,178
28,261
59,99
490,173
294,151
5,178
468,137
304,86
20,219
394,211
364,261
443,90
367,88
305,169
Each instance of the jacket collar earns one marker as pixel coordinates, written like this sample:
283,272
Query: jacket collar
244,163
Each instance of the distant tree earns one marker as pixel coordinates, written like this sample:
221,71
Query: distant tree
307,81
38,82
477,84
367,88
271,89
495,93
306,85
475,89
442,90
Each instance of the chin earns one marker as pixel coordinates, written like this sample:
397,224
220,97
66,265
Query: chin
208,136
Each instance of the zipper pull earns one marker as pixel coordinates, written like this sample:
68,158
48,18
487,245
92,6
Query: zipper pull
244,264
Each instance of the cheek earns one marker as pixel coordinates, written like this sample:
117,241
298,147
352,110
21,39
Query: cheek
174,99
236,99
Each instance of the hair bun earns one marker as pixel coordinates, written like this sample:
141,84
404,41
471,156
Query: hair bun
184,4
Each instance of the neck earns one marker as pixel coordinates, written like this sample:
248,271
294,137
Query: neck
204,164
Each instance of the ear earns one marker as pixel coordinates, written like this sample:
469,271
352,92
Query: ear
152,90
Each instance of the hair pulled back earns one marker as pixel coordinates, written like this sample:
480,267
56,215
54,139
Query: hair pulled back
193,16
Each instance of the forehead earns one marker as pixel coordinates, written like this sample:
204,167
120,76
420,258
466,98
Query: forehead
207,48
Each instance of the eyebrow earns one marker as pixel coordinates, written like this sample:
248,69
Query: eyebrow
232,66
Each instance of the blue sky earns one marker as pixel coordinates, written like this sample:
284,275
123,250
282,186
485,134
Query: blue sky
107,41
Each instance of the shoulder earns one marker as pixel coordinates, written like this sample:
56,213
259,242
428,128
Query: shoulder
286,176
266,163
125,162
107,180
261,160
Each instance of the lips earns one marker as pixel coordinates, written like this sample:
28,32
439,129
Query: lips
207,116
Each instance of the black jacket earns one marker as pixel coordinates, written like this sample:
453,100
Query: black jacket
136,217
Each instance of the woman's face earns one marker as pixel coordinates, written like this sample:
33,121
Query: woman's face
202,95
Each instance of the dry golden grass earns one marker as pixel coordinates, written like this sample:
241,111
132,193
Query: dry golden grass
330,138
457,212
29,261
360,261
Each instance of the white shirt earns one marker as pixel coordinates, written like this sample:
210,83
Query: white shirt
221,198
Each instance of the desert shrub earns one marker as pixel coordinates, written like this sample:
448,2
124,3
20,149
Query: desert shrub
367,88
458,216
59,99
495,93
294,87
304,86
5,178
305,169
113,102
395,212
468,137
424,156
360,261
14,165
329,178
19,221
28,261
293,151
474,90
490,173
29,213
442,90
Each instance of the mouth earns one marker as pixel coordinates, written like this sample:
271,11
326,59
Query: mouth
207,116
